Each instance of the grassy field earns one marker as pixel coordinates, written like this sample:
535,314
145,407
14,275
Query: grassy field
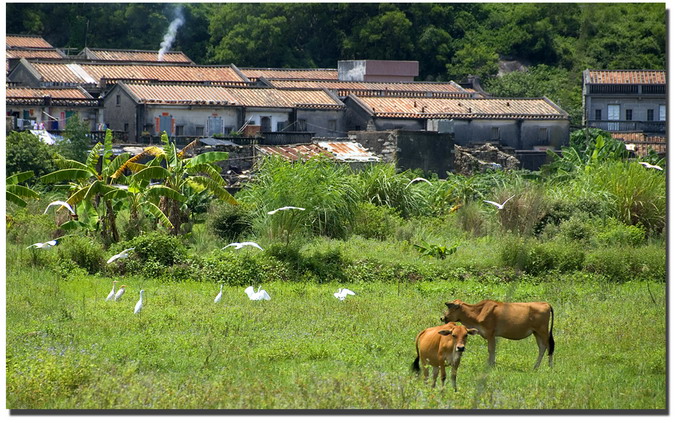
67,348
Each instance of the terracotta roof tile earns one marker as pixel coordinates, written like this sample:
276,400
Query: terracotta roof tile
137,55
251,97
22,92
34,54
30,41
86,73
276,73
462,108
625,76
383,87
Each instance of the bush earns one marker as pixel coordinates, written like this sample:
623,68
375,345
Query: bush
26,228
26,152
84,252
377,222
471,219
158,247
229,222
535,257
615,233
578,228
237,269
621,264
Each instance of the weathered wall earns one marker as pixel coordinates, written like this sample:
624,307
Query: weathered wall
116,115
429,151
319,122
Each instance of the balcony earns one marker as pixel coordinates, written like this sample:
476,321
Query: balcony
629,125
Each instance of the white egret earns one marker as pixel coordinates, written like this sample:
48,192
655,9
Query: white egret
122,254
60,203
218,297
140,303
285,208
111,295
256,296
45,245
119,293
418,180
497,205
239,245
650,166
342,293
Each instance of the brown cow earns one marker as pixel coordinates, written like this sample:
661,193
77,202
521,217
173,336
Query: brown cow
507,320
439,346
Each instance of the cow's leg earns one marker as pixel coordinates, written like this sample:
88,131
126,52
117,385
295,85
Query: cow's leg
425,371
435,375
491,346
541,343
443,375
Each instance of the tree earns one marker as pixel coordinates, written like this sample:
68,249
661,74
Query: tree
25,152
76,142
16,193
181,174
478,60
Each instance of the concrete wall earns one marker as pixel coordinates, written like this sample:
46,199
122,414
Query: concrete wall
429,151
639,106
318,122
117,115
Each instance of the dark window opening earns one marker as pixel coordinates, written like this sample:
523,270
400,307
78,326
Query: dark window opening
629,114
650,114
598,114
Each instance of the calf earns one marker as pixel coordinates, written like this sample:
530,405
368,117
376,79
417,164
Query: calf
507,320
439,346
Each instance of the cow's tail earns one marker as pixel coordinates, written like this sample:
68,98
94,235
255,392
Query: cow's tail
415,364
552,343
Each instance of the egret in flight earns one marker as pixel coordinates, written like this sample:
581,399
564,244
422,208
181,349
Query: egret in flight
418,180
256,296
497,205
650,166
60,203
121,255
285,208
45,245
342,293
239,245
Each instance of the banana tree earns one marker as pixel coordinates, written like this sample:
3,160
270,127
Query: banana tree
16,193
181,174
91,188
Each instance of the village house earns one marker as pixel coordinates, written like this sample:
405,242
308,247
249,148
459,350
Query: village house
28,47
185,111
50,108
630,104
133,56
519,123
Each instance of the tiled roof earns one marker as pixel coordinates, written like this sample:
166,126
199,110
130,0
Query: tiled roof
22,92
219,95
624,76
29,41
293,152
279,73
93,73
383,87
136,55
348,151
34,54
462,108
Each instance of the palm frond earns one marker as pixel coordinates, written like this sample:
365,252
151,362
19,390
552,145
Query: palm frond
163,191
93,158
115,165
215,188
209,157
66,175
20,177
212,171
22,191
13,198
152,172
155,211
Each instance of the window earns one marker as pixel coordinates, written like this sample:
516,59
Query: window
629,114
662,112
495,133
281,126
117,100
199,130
650,115
332,125
127,127
228,130
180,130
301,125
599,114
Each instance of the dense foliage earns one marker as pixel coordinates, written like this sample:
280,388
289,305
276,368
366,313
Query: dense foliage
450,40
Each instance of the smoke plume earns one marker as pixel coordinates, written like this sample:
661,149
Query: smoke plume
168,39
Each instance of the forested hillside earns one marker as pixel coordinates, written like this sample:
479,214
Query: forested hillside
450,40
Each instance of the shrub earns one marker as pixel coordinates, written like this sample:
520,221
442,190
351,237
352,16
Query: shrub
535,257
229,222
615,233
524,211
27,228
26,152
378,222
577,228
471,219
84,252
621,264
236,269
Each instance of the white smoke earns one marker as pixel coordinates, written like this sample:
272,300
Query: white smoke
168,39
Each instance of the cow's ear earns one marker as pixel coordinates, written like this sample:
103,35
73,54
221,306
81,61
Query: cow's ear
451,305
472,331
444,332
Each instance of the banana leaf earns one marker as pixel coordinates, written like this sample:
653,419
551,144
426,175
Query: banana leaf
20,177
66,175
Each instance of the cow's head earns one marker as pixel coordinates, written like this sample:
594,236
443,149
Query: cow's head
453,313
459,333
